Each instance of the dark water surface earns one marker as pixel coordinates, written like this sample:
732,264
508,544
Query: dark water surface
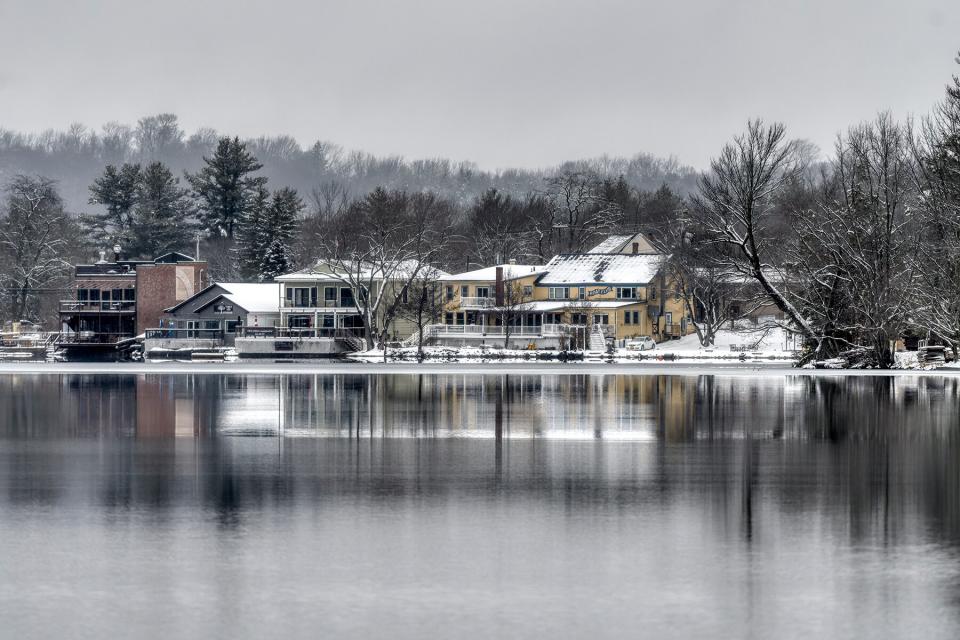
445,505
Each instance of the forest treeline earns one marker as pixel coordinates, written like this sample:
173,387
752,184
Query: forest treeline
854,250
76,156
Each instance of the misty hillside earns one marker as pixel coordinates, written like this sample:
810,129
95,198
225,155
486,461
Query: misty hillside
76,156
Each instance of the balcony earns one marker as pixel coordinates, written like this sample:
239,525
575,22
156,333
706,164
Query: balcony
98,306
477,303
299,333
343,303
476,330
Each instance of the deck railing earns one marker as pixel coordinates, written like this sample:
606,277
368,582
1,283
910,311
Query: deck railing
340,303
438,330
170,333
97,306
477,303
298,333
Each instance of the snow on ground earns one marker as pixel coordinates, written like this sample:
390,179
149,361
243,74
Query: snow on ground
730,345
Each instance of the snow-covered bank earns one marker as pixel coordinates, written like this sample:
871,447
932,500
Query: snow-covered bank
594,367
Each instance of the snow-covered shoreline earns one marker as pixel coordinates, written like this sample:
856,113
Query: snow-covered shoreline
677,367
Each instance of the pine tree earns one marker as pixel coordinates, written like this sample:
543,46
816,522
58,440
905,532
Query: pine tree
224,187
163,216
275,261
252,242
116,190
278,230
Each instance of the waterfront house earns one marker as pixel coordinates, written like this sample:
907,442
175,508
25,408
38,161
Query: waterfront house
112,302
321,299
217,315
619,290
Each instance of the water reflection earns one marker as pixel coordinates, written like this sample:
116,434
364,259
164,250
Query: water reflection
767,487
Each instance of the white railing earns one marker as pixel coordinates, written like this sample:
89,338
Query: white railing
477,303
441,330
609,330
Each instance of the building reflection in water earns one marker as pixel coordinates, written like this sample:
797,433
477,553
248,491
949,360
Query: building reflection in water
874,456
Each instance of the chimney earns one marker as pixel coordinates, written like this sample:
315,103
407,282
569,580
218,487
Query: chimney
103,257
513,261
116,253
498,287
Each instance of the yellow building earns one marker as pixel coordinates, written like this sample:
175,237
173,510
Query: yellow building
617,291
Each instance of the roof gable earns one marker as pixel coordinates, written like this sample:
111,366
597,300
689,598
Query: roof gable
606,268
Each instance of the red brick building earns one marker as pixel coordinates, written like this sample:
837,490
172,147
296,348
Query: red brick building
114,301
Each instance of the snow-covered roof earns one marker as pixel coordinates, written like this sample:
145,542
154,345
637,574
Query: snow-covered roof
620,243
606,268
255,297
328,271
510,272
612,244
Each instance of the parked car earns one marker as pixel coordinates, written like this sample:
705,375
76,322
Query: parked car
642,343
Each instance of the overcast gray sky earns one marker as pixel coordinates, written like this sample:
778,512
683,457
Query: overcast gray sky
502,82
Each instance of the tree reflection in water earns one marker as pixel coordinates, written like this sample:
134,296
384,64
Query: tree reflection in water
752,466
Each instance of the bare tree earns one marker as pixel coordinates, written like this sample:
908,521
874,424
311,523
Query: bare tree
386,241
577,212
713,297
423,303
736,208
34,236
936,151
513,302
854,253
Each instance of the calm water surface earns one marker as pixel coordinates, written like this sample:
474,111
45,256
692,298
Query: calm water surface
442,505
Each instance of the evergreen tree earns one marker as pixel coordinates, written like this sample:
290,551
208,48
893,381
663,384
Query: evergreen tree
252,241
278,230
116,190
224,187
162,218
275,261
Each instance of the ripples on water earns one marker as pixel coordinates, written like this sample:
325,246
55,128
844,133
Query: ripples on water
444,505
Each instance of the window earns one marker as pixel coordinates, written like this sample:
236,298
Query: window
128,294
449,293
636,317
330,296
231,326
403,296
313,296
460,318
578,318
601,318
483,292
627,293
346,297
557,293
299,296
298,322
94,295
82,295
327,321
626,317
527,290
448,318
464,290
582,293
653,293
211,324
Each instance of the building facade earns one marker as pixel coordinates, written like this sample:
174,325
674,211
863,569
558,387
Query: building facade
114,301
618,291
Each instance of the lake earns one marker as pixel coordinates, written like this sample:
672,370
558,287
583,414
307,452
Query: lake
450,504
